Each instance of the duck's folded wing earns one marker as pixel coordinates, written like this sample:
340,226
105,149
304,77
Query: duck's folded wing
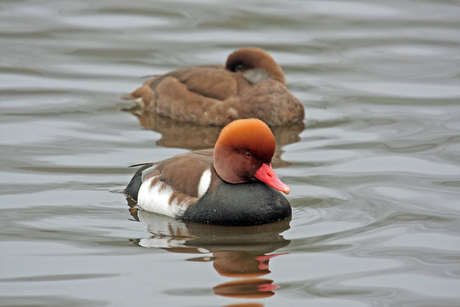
211,81
188,173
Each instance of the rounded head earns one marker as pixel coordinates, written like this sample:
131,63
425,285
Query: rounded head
255,64
244,151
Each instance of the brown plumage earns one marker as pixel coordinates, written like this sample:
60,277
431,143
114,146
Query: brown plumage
250,85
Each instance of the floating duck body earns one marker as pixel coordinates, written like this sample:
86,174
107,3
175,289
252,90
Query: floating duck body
250,85
234,184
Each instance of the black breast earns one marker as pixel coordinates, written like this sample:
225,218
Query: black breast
240,204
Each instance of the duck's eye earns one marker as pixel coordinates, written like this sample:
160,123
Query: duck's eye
248,154
239,67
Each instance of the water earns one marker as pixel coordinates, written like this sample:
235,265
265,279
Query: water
375,171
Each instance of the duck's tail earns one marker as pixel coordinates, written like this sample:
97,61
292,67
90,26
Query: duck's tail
132,190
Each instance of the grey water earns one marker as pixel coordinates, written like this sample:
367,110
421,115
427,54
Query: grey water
374,170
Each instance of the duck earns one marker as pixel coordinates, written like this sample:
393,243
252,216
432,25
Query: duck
233,184
250,85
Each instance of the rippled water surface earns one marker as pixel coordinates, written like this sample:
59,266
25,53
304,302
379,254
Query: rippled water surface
375,171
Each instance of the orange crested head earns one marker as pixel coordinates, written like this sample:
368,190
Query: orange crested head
244,152
250,136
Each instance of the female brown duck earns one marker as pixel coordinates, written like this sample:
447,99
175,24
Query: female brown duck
251,85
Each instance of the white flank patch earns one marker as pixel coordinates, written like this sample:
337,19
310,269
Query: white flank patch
205,181
153,200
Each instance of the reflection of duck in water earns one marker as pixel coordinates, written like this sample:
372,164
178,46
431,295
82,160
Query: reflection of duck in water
247,288
179,134
233,185
251,85
184,236
240,252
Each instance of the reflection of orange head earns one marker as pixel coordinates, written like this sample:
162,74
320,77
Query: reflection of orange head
242,274
246,305
238,265
264,260
246,288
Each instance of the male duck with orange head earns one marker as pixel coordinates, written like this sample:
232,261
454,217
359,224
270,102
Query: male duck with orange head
234,184
250,85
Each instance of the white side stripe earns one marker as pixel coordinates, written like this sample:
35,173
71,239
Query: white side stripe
156,199
205,181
